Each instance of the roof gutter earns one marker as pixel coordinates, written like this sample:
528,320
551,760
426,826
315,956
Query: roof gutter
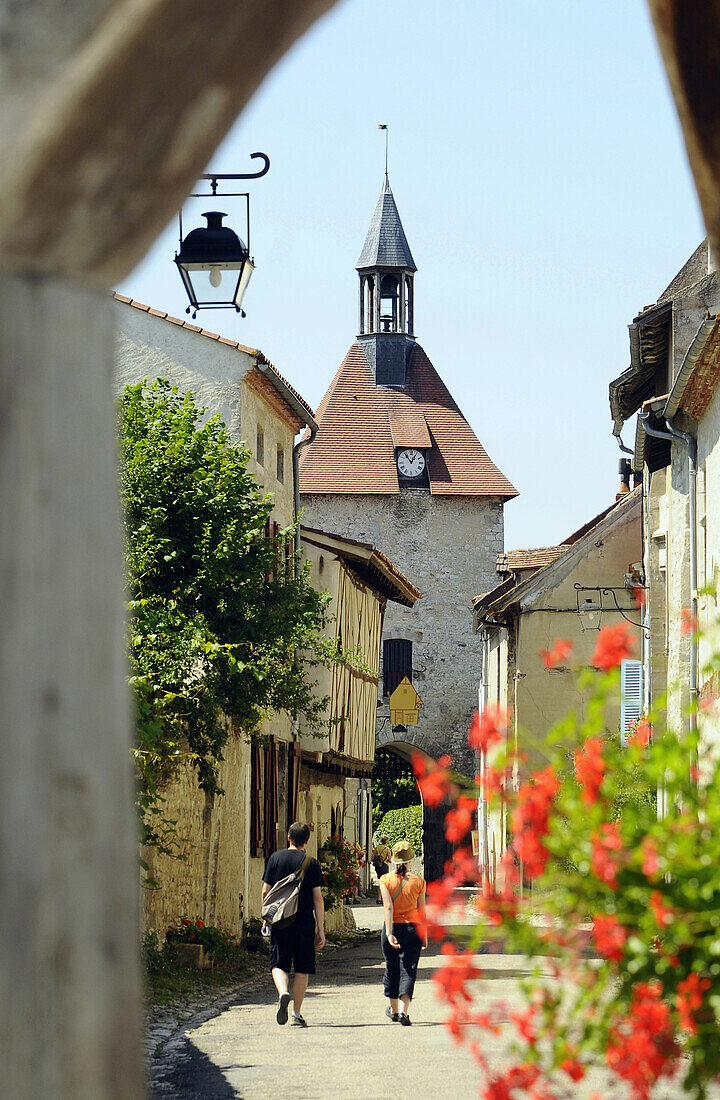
690,443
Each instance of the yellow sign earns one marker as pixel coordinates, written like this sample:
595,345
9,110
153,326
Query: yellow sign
405,704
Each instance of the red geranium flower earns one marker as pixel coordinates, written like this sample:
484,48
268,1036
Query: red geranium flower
609,936
690,999
614,644
559,653
487,728
604,863
641,734
433,778
590,768
662,914
689,622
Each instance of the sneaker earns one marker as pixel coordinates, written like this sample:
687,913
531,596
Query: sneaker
282,1012
394,1016
296,1020
405,1019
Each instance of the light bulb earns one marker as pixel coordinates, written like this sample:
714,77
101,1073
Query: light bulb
215,276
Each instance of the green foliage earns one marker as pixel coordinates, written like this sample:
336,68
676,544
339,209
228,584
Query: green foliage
393,785
403,824
218,943
157,958
640,892
341,864
218,614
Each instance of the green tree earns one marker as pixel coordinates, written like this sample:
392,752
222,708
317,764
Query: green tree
218,610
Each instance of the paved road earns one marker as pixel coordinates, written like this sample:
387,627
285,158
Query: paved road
349,1049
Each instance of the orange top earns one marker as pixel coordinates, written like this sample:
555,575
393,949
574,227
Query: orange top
405,909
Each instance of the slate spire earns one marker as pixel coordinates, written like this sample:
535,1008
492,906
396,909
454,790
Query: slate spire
386,244
386,270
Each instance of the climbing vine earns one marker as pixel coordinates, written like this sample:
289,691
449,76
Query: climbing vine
218,611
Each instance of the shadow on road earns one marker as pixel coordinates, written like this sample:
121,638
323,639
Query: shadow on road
191,1076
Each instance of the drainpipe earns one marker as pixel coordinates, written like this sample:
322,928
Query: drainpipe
645,632
690,443
296,489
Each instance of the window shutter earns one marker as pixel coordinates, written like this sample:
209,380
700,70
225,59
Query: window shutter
631,705
397,663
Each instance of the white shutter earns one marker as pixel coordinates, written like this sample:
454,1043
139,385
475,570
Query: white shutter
631,695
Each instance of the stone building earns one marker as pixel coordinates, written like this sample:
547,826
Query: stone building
395,463
295,773
674,451
569,591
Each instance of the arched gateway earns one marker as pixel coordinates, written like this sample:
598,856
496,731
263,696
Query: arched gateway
395,463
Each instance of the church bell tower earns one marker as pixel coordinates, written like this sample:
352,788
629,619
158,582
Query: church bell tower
386,270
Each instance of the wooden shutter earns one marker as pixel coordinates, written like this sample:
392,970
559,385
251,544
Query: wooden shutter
255,785
272,809
631,703
397,663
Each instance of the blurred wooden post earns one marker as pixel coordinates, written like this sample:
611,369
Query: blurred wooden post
71,982
109,111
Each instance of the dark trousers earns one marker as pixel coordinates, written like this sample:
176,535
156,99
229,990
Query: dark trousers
401,966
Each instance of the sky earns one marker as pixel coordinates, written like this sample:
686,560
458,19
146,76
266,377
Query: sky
540,174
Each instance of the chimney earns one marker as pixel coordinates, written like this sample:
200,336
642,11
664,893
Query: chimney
625,470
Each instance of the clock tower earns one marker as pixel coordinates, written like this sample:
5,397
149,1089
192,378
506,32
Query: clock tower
395,463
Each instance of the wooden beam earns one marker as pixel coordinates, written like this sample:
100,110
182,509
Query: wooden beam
688,33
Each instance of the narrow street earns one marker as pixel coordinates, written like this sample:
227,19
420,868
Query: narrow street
349,1048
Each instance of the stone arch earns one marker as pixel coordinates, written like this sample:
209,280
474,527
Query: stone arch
436,849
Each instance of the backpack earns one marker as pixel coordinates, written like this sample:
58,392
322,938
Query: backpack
280,906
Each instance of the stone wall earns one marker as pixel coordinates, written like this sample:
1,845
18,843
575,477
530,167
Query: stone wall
216,881
447,547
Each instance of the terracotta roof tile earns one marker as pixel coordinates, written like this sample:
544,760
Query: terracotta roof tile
353,451
408,426
515,560
273,373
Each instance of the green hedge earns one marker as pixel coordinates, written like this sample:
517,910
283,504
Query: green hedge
403,824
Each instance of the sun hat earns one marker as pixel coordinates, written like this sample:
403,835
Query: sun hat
401,852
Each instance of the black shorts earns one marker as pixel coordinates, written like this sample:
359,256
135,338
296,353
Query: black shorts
293,948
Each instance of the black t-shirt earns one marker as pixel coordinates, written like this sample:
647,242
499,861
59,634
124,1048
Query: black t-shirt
286,862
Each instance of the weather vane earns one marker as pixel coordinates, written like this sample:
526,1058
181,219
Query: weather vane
384,126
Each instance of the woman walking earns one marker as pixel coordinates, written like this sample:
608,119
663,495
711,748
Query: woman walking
403,897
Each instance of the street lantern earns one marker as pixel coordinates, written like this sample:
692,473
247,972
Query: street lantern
214,262
589,615
214,265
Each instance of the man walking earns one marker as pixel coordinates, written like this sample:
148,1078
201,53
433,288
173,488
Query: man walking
293,947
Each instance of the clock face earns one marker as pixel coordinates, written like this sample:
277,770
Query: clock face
411,463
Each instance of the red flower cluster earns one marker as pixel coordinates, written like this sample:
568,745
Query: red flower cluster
433,778
614,644
487,728
558,655
574,1069
513,1082
662,914
451,978
459,821
641,733
609,936
641,1048
690,999
590,768
650,861
530,820
689,623
605,864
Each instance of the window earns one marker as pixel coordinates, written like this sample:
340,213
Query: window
260,446
397,663
631,703
280,464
